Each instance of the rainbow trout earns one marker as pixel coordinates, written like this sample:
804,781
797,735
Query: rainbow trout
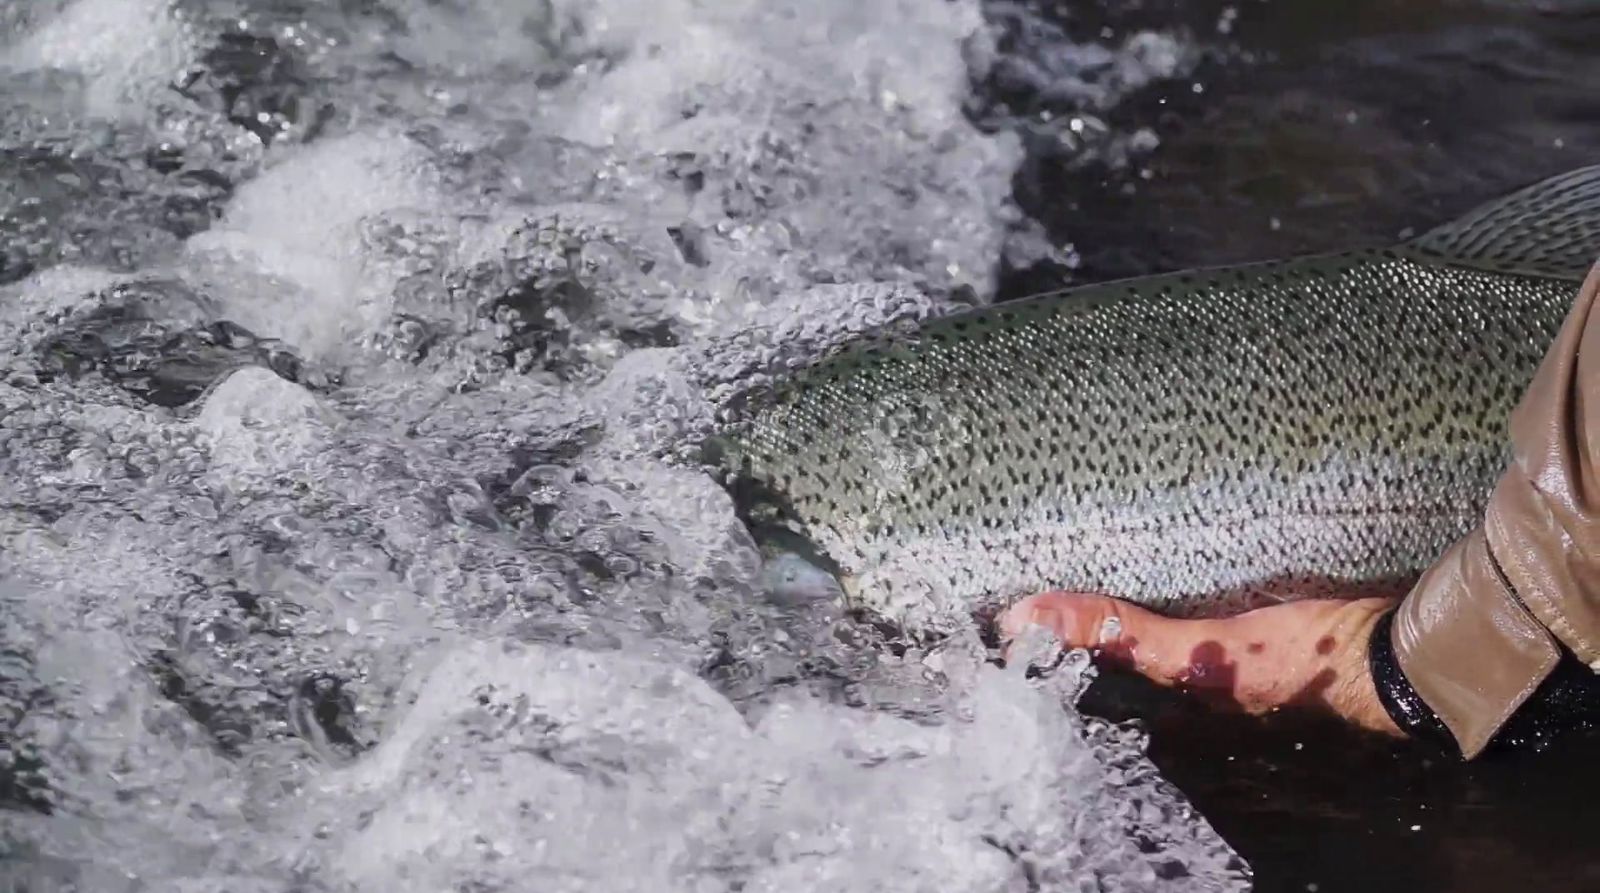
1195,441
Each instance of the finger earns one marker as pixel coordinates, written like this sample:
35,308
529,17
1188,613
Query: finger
1124,633
1071,616
1256,659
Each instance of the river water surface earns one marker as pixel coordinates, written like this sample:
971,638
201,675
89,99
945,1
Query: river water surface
350,353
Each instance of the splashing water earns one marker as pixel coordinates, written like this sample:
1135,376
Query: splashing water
349,359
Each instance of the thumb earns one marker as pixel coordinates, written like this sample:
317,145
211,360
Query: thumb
1165,649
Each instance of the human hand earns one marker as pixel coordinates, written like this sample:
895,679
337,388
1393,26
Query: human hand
1307,654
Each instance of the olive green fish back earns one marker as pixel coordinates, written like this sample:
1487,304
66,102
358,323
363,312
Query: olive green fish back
1551,228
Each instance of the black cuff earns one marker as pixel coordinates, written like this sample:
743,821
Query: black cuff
1399,699
1568,700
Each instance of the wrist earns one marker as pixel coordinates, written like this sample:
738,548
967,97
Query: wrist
1356,699
1404,708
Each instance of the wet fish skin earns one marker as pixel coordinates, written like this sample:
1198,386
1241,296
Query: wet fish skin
1194,441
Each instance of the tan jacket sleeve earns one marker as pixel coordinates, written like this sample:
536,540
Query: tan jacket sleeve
1480,630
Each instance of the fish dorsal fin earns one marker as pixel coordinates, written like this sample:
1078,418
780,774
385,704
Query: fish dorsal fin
1550,229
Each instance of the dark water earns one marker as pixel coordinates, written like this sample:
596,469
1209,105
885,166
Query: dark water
1322,126
1319,127
1308,802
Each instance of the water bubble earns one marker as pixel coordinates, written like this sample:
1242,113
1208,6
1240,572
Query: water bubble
1110,630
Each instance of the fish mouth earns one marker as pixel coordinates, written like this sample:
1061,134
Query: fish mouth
795,568
792,581
767,511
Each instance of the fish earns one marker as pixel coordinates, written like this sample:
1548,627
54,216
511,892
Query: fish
1198,442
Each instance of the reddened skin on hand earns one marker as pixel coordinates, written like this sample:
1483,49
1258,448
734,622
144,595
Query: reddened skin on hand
1308,654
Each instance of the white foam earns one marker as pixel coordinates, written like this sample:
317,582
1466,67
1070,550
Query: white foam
256,423
128,49
455,618
613,771
54,291
287,261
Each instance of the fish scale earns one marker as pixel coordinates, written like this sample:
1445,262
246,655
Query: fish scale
1195,441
